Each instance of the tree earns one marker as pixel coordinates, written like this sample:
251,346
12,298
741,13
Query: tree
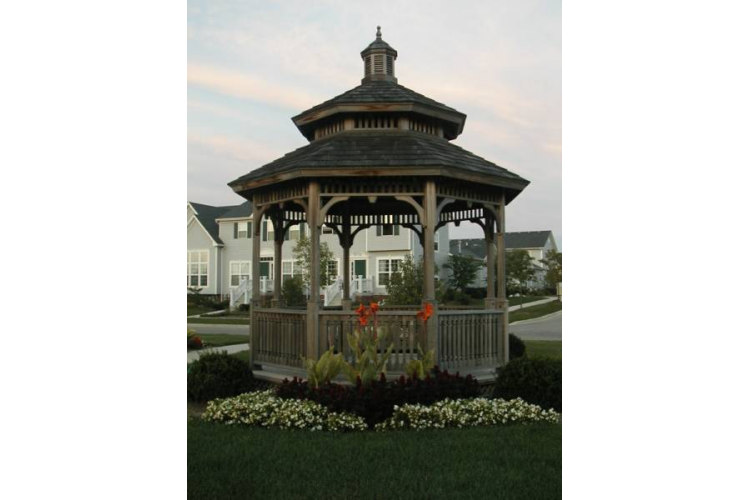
519,269
405,286
553,275
463,269
302,261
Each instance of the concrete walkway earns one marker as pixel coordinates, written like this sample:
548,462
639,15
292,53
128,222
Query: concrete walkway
229,349
529,304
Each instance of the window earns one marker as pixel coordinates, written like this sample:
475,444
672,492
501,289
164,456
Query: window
386,268
333,270
197,268
238,271
267,231
388,230
327,230
437,246
242,230
295,231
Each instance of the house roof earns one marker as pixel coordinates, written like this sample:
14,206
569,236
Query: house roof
386,150
527,239
240,211
207,215
477,248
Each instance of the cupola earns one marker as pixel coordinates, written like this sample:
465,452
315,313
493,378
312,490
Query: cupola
380,61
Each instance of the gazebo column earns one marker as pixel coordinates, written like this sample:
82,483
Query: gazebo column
346,245
278,242
491,240
502,300
429,208
313,303
255,302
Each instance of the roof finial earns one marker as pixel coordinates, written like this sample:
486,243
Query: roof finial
378,33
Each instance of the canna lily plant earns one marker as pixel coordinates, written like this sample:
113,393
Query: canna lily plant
365,344
325,369
419,368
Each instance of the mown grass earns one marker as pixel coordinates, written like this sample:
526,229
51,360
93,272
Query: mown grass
544,348
193,310
535,311
510,462
222,339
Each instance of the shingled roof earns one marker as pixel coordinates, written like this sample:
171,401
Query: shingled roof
379,92
527,239
382,149
207,215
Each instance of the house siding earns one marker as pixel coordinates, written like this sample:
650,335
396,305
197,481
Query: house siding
198,239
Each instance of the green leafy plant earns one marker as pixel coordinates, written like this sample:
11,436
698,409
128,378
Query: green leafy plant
517,347
218,375
293,291
366,344
463,271
420,368
537,381
325,369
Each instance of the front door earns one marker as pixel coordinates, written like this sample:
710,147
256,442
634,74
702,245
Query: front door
265,270
359,268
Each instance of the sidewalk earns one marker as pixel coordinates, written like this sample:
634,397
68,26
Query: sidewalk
229,349
529,304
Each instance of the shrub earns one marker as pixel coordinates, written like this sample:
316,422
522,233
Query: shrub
453,296
467,413
517,347
376,401
292,291
218,375
538,381
263,409
194,342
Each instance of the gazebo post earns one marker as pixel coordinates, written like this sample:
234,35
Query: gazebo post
490,240
313,303
502,300
255,302
429,207
346,245
278,241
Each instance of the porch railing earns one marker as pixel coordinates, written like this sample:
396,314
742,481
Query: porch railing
470,339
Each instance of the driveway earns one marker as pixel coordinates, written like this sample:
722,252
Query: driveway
544,328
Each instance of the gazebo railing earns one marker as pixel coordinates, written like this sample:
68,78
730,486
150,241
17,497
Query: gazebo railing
281,336
466,341
470,339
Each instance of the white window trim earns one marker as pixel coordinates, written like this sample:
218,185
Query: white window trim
338,266
208,268
377,268
240,262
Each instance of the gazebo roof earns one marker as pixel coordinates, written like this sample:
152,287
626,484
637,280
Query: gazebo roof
382,152
379,95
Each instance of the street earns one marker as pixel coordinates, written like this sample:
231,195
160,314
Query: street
545,328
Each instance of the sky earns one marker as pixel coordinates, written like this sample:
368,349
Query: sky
252,65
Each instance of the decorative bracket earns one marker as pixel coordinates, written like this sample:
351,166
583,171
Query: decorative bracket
410,200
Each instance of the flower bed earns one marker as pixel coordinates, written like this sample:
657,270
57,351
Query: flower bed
264,409
466,413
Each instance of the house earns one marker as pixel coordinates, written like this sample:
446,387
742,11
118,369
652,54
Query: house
536,243
219,250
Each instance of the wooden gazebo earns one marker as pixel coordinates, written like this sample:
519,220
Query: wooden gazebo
379,154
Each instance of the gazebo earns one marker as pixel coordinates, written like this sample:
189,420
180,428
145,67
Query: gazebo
379,154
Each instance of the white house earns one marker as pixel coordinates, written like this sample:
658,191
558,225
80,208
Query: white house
536,243
219,250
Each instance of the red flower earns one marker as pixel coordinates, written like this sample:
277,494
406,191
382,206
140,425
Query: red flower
363,320
360,311
374,307
426,312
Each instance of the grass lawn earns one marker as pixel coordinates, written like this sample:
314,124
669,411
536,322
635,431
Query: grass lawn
518,461
543,348
515,301
193,310
221,339
535,311
220,321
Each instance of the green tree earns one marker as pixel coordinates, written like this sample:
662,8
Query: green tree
463,271
553,275
405,286
519,269
302,261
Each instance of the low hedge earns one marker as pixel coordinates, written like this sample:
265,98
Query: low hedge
536,381
218,375
517,347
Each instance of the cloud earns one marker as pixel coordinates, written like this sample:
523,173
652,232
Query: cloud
243,150
247,87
